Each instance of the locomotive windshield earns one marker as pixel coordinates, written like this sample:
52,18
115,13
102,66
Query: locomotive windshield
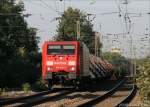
61,49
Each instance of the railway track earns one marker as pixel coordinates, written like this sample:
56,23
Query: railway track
79,97
73,98
116,97
36,98
126,100
103,97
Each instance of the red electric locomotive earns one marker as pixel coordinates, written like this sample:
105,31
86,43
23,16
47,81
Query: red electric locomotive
71,62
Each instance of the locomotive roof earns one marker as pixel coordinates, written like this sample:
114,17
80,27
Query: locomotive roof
61,42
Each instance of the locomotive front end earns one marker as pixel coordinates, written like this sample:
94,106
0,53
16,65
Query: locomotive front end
60,61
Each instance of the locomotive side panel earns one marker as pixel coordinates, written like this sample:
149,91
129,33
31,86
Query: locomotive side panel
44,58
84,61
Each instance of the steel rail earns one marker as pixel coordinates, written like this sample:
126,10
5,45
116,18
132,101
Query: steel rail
128,99
103,97
18,99
43,100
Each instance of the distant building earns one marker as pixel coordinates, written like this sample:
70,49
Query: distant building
115,50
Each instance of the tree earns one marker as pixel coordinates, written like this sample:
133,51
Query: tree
18,42
13,29
67,28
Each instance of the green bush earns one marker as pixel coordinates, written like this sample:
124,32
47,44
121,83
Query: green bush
143,80
0,91
3,91
119,62
19,71
39,85
26,87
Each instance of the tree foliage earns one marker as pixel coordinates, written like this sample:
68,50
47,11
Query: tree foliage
143,79
18,45
67,28
120,63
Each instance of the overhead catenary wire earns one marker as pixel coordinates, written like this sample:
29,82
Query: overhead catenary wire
119,8
12,26
56,7
64,5
62,8
50,7
149,30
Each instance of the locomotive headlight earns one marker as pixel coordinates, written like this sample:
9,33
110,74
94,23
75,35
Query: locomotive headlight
72,68
71,63
49,68
49,63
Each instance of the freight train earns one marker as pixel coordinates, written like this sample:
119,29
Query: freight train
70,62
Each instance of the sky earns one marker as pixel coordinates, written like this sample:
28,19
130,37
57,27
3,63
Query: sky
108,18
